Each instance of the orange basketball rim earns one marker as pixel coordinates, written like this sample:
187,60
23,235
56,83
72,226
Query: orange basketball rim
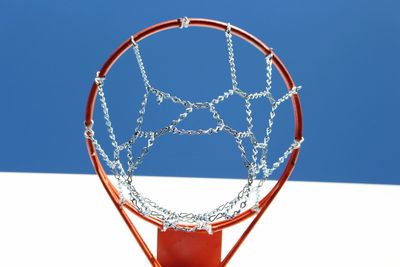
199,248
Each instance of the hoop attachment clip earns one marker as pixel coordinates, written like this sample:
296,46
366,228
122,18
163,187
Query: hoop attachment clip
99,80
88,133
184,22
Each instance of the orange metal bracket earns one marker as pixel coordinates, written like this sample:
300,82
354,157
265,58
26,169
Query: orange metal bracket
193,249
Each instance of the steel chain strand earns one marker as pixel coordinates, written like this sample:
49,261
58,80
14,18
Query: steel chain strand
139,159
222,97
139,60
102,153
218,119
100,91
142,111
231,58
267,171
264,147
139,123
272,114
268,131
288,95
121,177
295,145
186,103
252,137
257,95
100,83
217,129
164,95
152,135
268,85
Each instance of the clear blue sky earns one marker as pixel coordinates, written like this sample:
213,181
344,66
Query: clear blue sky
345,54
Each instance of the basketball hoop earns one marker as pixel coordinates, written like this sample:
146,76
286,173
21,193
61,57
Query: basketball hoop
198,234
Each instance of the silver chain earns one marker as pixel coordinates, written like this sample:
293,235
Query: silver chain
228,35
254,166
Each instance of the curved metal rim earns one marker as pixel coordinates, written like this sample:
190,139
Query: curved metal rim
197,22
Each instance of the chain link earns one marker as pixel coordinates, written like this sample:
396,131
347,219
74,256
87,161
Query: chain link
136,50
268,85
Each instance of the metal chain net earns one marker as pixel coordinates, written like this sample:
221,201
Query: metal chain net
255,165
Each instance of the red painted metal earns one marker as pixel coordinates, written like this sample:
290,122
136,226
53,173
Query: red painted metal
217,227
194,249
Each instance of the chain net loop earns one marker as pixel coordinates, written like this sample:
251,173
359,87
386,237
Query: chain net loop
255,165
